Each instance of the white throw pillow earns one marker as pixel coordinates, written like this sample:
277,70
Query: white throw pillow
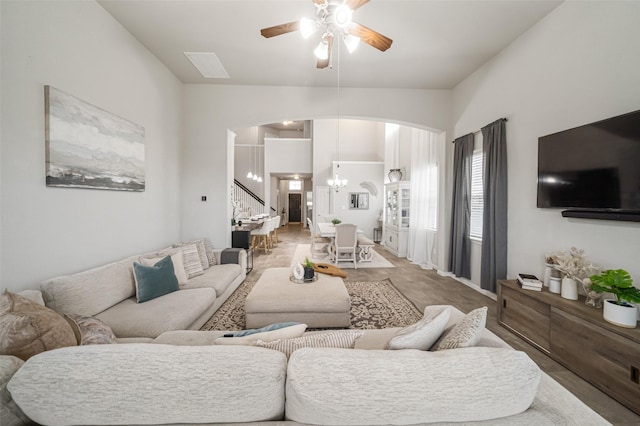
202,252
466,333
190,257
251,339
178,265
423,334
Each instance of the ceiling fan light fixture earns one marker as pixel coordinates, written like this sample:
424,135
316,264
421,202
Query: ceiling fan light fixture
351,42
322,51
342,16
308,27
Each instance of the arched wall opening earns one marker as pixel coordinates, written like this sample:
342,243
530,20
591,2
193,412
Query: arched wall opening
211,110
365,149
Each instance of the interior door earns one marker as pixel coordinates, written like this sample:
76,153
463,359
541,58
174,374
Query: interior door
295,208
322,204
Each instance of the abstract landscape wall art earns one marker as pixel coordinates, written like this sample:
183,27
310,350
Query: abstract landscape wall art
88,147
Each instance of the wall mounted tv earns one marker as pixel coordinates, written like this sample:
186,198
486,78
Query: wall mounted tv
593,170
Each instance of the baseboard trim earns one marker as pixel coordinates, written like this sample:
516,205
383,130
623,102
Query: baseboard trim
469,284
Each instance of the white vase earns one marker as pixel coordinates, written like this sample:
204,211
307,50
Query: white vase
395,175
554,285
624,316
569,289
548,268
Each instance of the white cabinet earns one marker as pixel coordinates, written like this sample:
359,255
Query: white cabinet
396,217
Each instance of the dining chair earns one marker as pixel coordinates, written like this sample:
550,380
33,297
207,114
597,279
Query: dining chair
345,243
319,244
260,236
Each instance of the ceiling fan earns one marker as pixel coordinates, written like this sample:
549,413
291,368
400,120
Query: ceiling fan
333,17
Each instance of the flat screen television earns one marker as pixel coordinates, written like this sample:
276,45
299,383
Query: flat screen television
592,170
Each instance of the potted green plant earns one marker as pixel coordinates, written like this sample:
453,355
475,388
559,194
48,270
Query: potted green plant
621,310
336,221
309,272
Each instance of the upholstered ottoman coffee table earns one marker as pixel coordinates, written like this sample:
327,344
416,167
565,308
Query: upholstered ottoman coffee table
274,298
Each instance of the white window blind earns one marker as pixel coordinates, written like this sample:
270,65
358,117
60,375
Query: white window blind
477,198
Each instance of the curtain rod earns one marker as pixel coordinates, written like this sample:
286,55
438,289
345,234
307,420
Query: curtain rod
478,131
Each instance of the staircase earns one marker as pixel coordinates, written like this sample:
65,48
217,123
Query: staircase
249,204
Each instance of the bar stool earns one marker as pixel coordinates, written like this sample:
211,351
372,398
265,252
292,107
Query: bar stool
264,231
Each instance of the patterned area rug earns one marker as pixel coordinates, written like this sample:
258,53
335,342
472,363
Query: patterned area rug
374,304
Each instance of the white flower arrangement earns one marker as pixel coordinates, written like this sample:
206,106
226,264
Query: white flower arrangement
235,204
572,263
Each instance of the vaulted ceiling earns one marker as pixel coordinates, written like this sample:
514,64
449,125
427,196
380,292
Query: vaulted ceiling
436,44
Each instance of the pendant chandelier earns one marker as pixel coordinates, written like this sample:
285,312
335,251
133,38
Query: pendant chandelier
250,174
255,176
336,183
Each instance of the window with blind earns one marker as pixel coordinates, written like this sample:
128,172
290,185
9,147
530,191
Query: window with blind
477,199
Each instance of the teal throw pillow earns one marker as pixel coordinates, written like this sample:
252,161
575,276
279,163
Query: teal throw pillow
154,281
270,327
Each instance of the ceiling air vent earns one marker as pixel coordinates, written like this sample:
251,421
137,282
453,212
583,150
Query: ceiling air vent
208,64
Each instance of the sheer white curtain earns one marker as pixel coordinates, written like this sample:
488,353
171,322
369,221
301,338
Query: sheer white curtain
424,198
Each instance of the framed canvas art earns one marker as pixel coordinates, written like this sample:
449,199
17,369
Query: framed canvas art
88,147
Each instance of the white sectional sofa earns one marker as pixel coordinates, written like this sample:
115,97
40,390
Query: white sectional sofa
108,293
182,377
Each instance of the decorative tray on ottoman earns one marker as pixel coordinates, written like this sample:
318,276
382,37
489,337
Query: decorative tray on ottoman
303,281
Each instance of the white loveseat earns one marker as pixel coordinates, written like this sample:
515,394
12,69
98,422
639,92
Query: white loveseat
182,377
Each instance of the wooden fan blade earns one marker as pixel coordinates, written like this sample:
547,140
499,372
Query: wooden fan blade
280,29
372,38
323,63
354,4
319,2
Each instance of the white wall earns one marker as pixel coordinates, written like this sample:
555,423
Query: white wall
245,159
360,140
578,65
209,110
285,156
357,172
79,48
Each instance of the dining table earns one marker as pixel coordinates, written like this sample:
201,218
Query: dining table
328,230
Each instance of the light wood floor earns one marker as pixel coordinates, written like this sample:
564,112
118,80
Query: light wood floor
428,288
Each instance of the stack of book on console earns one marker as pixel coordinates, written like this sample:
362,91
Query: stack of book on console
529,282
